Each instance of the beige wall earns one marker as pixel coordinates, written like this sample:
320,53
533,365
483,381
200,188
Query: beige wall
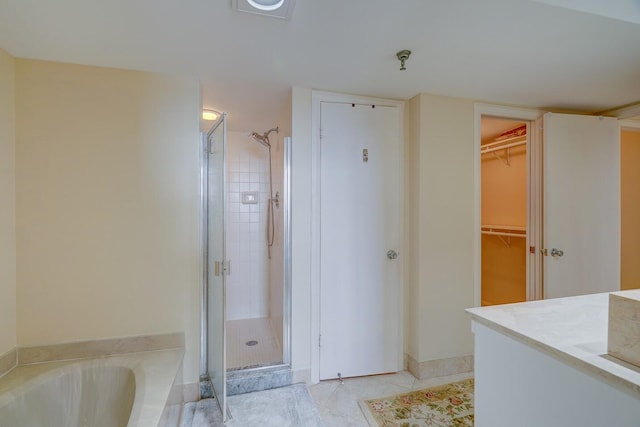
441,226
7,205
107,204
412,289
301,229
504,188
630,210
504,270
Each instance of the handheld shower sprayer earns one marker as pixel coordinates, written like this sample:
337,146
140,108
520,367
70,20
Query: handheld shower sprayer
264,140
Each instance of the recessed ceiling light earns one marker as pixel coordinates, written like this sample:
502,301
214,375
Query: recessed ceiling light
274,8
266,4
209,115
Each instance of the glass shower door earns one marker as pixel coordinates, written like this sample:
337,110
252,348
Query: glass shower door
217,266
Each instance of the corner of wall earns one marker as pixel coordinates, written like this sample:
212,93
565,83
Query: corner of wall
412,187
300,221
8,329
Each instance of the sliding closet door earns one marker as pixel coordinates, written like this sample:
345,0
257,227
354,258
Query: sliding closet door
581,204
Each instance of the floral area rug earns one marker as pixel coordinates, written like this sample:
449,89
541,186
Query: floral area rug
449,405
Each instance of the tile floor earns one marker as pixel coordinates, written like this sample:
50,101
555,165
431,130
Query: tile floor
336,403
267,351
290,406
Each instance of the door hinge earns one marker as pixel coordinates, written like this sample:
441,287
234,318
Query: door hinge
532,249
226,267
222,268
319,340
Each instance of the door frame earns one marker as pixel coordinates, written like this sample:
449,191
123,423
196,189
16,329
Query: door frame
529,115
317,97
220,395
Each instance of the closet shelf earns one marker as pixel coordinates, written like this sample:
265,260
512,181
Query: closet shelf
505,227
504,144
504,230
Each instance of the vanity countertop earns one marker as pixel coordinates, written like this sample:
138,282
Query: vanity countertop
573,330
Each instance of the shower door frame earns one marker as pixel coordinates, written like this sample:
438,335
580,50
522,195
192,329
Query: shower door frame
286,265
205,148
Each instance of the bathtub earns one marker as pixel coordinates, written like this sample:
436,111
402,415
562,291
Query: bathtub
117,391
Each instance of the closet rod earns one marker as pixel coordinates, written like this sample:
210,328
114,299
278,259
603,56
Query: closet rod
503,233
502,147
502,141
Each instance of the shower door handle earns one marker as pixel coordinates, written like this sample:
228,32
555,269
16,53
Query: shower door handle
391,254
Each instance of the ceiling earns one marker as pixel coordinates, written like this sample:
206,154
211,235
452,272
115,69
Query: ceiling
519,52
493,127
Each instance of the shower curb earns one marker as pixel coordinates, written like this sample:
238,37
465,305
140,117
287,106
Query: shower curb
247,381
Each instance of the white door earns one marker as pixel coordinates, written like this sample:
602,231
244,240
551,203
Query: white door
581,204
360,197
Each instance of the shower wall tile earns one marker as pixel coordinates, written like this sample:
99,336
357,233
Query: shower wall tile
247,285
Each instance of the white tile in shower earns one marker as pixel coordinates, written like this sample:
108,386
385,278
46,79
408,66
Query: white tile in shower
266,352
257,165
248,284
244,229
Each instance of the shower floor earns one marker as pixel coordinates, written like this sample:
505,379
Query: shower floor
267,351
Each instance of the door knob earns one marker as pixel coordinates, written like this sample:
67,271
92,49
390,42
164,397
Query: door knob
391,254
556,253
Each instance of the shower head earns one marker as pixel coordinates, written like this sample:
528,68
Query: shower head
264,138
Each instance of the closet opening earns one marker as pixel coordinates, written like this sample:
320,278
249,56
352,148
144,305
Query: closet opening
504,210
629,208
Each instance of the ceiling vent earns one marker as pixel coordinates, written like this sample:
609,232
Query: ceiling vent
274,8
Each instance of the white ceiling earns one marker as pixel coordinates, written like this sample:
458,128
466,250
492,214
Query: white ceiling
518,52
